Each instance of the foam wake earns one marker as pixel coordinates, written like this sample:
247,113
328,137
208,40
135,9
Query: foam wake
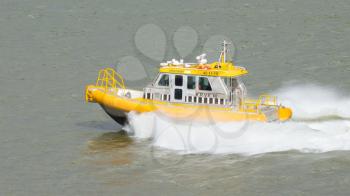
313,102
308,102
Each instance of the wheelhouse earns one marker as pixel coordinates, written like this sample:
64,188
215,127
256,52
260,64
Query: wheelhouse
196,89
217,83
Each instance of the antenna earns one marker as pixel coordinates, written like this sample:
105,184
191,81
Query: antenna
224,52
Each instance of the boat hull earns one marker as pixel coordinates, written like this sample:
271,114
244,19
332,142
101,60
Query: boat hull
118,106
118,115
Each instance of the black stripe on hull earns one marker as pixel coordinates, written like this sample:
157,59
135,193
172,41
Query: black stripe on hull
117,115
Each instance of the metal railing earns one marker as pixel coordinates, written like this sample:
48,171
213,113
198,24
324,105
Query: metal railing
109,79
254,106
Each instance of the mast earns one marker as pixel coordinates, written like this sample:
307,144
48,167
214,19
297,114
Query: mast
224,52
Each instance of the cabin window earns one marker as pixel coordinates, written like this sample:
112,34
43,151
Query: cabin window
164,80
191,82
178,80
178,94
210,100
195,99
165,97
216,101
230,82
199,99
227,82
234,82
222,101
189,98
204,84
205,100
148,96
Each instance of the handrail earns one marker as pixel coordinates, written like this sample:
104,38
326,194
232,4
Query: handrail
268,100
108,79
253,105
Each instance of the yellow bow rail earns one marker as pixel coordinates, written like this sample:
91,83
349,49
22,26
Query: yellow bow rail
108,80
253,106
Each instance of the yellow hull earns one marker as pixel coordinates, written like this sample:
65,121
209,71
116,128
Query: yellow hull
178,110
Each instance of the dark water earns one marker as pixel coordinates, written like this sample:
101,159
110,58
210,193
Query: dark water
52,143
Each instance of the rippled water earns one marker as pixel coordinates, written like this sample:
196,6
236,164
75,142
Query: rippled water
52,143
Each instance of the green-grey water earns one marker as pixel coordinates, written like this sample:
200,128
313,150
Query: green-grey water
53,143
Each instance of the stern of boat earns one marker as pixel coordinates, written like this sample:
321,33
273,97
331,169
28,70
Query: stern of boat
267,106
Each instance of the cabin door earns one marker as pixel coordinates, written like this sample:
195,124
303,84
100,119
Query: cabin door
177,88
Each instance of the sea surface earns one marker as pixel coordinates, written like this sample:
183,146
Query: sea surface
54,143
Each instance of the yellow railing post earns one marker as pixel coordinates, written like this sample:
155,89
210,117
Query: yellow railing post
109,79
250,105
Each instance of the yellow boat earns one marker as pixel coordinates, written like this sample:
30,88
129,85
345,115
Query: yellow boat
189,91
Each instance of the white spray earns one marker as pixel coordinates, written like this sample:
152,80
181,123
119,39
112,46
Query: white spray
312,133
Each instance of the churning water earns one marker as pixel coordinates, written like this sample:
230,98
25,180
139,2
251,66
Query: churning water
321,123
